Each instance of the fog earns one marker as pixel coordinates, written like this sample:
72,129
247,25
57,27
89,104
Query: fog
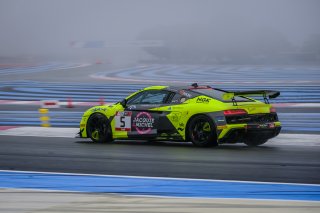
185,31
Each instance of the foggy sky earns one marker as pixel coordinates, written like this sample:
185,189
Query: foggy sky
47,26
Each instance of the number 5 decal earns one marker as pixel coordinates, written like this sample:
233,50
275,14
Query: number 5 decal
123,121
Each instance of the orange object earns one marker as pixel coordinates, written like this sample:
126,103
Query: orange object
70,105
101,101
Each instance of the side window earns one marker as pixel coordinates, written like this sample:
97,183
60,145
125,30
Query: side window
149,97
178,99
136,99
155,97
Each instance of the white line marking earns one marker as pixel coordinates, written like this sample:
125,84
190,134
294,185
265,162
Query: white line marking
159,196
62,103
41,132
282,139
295,140
159,178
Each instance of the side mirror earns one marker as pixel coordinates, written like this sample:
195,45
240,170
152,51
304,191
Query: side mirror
124,103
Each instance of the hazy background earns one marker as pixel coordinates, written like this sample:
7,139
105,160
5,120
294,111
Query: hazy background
185,31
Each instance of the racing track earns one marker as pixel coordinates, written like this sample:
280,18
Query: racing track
266,163
271,162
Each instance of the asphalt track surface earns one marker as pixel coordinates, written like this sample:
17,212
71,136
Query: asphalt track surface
270,163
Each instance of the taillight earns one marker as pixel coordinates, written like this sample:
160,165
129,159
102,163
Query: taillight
272,109
231,112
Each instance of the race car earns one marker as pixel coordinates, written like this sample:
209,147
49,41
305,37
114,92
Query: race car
204,115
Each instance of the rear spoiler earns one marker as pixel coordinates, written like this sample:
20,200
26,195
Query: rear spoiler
229,95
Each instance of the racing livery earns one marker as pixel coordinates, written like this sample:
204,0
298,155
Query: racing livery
204,115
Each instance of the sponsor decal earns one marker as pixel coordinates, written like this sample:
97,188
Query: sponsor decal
175,116
132,107
149,106
203,100
143,122
98,109
261,126
123,121
181,127
164,135
175,135
220,120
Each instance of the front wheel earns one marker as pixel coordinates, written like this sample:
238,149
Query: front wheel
202,131
99,129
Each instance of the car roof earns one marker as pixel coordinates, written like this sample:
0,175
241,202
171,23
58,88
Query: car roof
178,88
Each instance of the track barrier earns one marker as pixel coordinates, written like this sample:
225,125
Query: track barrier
50,104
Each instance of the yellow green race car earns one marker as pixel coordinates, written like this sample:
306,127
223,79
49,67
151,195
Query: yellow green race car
204,115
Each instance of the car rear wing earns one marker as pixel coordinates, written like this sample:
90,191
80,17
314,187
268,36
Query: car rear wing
266,94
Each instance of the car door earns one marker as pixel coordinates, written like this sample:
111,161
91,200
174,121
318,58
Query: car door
140,118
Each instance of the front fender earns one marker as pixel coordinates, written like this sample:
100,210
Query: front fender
108,111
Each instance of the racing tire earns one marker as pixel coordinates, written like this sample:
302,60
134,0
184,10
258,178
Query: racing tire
99,129
255,141
202,131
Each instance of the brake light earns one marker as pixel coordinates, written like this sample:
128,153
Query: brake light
272,109
234,112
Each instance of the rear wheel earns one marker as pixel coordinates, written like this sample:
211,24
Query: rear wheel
202,131
99,129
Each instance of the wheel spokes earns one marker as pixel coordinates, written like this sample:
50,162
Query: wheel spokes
206,127
201,131
98,127
95,134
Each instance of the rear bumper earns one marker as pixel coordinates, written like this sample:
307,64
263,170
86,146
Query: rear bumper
239,133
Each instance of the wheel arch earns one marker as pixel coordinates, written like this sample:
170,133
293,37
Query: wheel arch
104,115
92,114
192,117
